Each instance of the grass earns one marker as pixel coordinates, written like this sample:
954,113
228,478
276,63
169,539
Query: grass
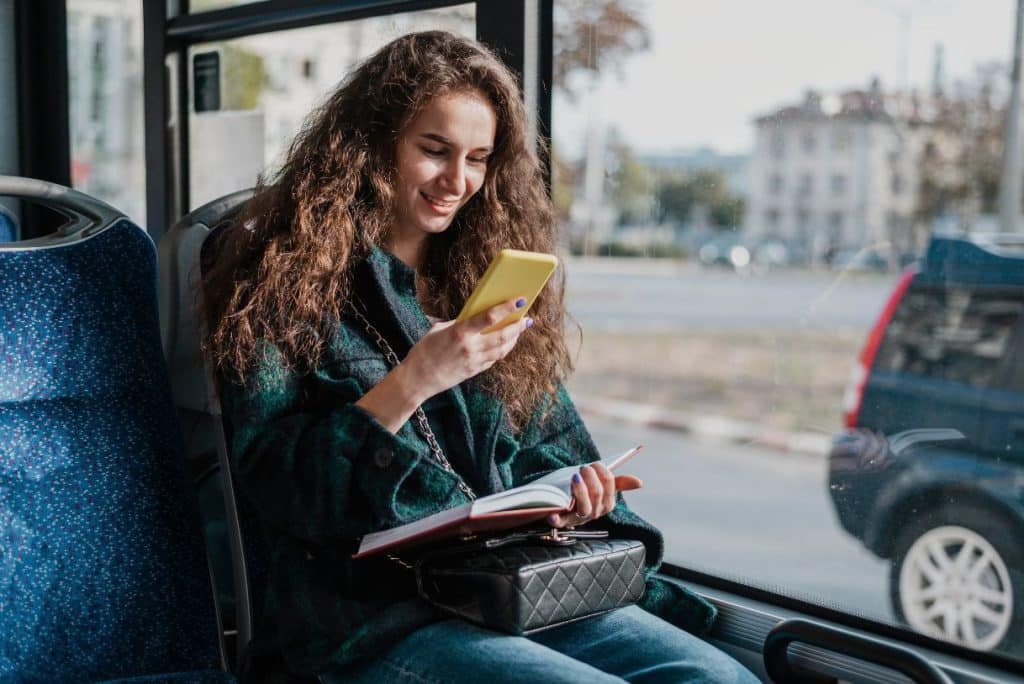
786,379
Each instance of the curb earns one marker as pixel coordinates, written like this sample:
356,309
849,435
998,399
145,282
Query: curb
712,427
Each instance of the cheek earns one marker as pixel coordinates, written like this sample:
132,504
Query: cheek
413,173
474,181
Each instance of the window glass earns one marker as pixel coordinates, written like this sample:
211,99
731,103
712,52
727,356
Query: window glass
269,82
797,440
207,5
105,103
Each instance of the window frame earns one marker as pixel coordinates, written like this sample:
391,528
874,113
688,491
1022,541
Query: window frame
519,31
169,30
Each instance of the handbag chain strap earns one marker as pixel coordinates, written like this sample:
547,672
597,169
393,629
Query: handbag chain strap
420,415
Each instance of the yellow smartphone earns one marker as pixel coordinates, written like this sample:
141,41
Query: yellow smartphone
512,273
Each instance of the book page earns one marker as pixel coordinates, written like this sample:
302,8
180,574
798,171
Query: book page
562,478
530,495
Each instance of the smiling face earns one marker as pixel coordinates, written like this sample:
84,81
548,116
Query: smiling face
442,161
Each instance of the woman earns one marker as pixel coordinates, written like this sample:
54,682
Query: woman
391,203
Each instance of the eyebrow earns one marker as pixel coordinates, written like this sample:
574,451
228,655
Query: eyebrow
445,141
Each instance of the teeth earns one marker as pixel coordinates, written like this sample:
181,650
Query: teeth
440,203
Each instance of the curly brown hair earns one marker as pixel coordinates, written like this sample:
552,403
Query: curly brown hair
284,265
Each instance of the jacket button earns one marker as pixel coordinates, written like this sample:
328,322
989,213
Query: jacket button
383,457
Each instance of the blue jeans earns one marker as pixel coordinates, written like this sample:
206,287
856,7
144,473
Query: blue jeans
628,644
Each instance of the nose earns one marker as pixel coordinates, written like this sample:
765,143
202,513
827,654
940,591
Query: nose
454,177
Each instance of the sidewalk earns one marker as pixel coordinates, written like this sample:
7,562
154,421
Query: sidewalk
712,427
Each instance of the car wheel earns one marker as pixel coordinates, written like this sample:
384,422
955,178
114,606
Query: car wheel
958,574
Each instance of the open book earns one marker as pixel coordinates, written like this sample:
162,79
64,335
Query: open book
527,503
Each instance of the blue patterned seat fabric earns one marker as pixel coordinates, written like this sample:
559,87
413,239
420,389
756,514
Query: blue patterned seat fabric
102,571
8,225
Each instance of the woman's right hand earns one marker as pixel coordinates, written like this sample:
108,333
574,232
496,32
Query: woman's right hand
451,352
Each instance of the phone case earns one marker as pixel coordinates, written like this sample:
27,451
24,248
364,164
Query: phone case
512,273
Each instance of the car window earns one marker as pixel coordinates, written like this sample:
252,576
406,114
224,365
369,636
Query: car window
952,334
1015,379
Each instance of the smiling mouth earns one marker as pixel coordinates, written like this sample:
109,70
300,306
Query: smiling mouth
439,204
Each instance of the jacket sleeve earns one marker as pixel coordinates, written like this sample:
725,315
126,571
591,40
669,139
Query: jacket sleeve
556,437
553,438
323,469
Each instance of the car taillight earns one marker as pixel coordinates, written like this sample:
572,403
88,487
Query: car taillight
854,394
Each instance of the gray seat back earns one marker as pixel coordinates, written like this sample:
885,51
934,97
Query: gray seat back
195,394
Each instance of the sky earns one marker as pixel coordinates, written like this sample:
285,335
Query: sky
715,64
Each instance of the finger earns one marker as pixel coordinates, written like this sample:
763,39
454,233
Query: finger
596,489
504,337
495,314
625,483
608,485
441,325
580,489
558,519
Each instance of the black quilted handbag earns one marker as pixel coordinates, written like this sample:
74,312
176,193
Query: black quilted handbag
523,583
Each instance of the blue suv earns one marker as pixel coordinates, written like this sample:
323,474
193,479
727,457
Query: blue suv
929,472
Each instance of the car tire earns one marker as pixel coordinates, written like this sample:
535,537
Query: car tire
978,603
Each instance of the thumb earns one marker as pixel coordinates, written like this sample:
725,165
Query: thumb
442,325
625,483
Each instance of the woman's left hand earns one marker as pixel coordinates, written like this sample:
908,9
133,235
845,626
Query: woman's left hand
593,490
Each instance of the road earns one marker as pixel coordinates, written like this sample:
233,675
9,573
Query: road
644,294
758,516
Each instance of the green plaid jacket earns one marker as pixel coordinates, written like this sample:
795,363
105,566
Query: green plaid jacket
322,472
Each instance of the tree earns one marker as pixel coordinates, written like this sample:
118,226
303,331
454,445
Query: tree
674,199
590,37
564,176
630,183
961,159
678,196
727,212
246,75
595,36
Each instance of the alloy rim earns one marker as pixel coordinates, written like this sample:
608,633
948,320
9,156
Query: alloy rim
954,585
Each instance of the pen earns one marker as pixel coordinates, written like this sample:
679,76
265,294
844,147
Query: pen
625,457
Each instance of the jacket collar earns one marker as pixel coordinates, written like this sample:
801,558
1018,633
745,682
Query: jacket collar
393,287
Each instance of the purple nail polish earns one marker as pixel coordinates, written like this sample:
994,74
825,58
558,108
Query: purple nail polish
520,303
552,519
529,322
577,478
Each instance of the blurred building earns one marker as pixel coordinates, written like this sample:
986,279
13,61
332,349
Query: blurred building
840,171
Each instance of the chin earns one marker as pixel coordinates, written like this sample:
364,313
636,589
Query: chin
435,227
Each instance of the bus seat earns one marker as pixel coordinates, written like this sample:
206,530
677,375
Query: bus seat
103,575
8,225
182,251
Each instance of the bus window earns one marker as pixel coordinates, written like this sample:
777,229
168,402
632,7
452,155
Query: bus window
207,5
740,198
270,81
105,103
788,241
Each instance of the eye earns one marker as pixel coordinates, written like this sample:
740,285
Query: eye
433,152
478,160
